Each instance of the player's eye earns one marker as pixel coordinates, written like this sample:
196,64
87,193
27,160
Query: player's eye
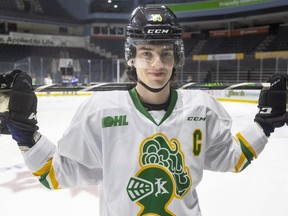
167,54
147,55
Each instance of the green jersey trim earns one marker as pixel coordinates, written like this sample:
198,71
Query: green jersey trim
137,102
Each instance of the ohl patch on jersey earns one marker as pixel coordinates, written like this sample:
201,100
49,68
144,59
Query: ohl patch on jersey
162,177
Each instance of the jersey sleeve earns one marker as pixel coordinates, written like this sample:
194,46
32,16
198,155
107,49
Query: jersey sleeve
74,161
226,151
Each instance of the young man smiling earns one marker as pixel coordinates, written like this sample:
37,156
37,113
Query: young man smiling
147,147
154,65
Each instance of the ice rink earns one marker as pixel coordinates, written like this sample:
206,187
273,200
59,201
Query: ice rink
260,190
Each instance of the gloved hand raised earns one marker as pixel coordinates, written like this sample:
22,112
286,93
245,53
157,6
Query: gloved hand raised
22,108
273,104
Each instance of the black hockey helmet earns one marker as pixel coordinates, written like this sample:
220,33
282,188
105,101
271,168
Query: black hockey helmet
154,25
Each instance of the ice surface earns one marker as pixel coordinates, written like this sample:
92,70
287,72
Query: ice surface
260,190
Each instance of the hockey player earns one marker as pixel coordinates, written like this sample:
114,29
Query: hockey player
147,146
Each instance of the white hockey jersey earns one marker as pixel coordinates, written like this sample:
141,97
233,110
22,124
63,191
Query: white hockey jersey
148,163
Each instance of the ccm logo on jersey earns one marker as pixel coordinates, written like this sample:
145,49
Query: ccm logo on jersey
196,118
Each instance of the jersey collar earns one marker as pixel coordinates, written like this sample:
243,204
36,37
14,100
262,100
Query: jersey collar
135,98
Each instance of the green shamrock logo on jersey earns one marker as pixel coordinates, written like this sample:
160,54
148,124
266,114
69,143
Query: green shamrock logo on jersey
162,177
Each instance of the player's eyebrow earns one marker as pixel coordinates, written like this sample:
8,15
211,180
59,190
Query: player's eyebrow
145,48
167,49
151,49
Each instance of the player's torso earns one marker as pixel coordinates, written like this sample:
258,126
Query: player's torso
147,161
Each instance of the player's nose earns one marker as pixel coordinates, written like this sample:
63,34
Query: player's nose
157,62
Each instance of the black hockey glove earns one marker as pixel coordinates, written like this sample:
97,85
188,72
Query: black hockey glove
273,104
21,119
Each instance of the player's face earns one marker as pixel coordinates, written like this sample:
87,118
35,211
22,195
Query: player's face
154,64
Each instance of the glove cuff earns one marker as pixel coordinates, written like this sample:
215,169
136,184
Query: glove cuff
267,129
25,139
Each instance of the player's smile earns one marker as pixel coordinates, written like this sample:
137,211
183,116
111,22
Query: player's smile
156,73
155,77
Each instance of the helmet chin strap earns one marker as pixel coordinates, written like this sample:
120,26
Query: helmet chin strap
155,90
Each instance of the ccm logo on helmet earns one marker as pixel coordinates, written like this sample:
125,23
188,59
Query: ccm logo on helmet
158,31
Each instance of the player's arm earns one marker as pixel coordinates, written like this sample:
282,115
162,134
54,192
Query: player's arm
55,168
226,152
18,118
272,114
235,154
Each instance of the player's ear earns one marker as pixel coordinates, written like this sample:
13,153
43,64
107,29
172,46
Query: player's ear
131,62
131,73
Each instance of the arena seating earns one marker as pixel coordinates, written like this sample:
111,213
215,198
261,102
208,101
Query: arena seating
47,9
10,53
234,44
193,44
113,45
280,41
53,8
251,69
9,5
